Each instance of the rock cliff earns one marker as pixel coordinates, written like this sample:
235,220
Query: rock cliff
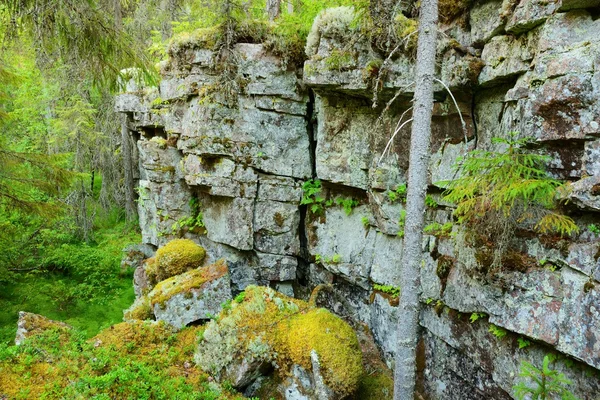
289,180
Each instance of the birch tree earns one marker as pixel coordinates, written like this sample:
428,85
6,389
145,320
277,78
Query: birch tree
408,316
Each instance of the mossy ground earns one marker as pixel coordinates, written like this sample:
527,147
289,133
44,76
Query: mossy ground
126,361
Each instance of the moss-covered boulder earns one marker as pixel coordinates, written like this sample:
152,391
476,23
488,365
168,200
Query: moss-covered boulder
30,324
191,296
174,258
262,328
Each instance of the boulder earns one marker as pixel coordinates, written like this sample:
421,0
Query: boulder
315,348
30,324
191,296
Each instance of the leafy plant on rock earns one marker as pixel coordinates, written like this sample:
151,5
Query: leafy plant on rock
311,195
500,191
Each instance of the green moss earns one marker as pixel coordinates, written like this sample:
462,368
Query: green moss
371,70
183,283
140,310
176,257
388,289
407,30
334,341
444,266
377,386
450,9
340,60
132,360
269,326
206,38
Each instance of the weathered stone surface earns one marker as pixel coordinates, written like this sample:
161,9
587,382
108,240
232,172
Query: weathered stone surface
30,324
530,13
229,220
591,160
192,296
135,254
585,193
220,177
579,318
129,102
532,305
485,20
307,385
141,284
160,206
564,30
466,354
384,321
343,152
274,142
279,188
276,227
353,256
242,264
386,212
272,267
443,164
506,58
174,88
159,161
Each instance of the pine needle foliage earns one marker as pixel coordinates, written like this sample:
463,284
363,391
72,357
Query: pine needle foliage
82,33
549,383
500,191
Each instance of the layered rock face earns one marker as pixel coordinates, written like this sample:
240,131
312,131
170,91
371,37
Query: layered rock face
238,164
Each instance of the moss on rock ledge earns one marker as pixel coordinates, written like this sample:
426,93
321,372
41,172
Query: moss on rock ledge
174,258
187,281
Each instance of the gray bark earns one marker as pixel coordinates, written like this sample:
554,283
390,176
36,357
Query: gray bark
128,166
273,9
408,316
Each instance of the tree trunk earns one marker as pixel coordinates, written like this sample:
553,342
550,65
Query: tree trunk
128,165
273,9
408,316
